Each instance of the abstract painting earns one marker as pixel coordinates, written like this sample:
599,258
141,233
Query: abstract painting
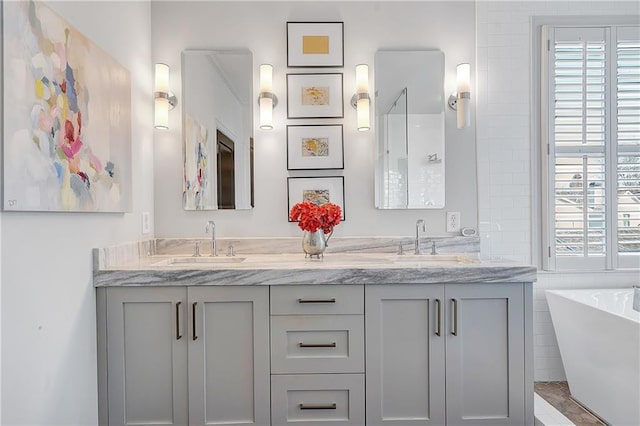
315,95
318,197
67,117
318,190
196,192
315,147
315,44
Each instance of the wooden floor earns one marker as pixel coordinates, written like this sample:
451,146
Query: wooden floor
557,394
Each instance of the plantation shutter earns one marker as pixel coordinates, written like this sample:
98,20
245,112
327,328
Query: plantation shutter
578,138
593,182
628,144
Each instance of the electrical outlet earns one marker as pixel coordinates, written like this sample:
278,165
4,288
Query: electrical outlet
146,222
453,221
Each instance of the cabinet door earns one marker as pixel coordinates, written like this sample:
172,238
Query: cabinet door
229,355
485,354
147,356
405,355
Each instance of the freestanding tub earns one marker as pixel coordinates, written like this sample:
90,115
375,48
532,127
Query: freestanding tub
599,338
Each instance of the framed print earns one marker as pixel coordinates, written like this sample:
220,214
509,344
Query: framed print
67,117
315,147
318,190
315,96
315,44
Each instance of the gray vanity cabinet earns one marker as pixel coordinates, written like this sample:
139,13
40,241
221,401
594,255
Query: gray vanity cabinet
463,343
229,375
485,357
184,355
405,358
146,356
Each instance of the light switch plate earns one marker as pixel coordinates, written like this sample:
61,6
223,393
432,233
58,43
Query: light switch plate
453,221
146,222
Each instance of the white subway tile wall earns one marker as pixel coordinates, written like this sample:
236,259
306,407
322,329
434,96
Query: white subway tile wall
503,119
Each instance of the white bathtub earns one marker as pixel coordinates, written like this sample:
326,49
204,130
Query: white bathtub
599,338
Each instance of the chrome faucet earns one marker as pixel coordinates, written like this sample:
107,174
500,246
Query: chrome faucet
211,225
424,229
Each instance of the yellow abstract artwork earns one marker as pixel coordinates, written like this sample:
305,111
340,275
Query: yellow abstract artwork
315,45
314,95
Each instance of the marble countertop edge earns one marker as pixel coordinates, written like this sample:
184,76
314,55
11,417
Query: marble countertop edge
431,275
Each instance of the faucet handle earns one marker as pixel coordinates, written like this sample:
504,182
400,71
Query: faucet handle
400,249
230,250
196,249
433,247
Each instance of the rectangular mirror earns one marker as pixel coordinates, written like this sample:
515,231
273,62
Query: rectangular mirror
410,129
217,90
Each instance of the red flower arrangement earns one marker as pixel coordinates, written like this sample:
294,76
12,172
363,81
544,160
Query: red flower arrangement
311,217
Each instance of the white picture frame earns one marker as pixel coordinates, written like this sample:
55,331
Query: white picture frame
331,188
315,147
315,95
315,44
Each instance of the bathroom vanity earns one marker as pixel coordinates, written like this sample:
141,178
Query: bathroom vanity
354,339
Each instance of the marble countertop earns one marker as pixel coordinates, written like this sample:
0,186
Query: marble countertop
293,268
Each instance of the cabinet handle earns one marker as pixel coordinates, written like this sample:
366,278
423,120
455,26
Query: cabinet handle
455,317
317,345
193,319
332,300
439,318
178,335
318,406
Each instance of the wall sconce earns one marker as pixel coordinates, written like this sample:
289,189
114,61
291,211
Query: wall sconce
267,100
361,100
460,100
164,100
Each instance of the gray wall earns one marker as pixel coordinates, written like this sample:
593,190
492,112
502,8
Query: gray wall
261,27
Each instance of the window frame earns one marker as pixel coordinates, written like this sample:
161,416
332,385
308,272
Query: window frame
543,241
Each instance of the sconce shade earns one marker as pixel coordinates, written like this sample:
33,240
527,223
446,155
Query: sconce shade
362,114
161,97
463,85
162,78
266,78
266,113
362,100
266,99
362,78
161,115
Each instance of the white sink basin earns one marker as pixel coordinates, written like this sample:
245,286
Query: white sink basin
200,261
443,258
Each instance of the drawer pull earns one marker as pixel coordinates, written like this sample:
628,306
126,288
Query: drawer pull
333,300
318,406
317,345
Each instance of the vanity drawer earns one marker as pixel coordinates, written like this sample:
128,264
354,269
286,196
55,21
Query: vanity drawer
317,299
317,344
317,399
